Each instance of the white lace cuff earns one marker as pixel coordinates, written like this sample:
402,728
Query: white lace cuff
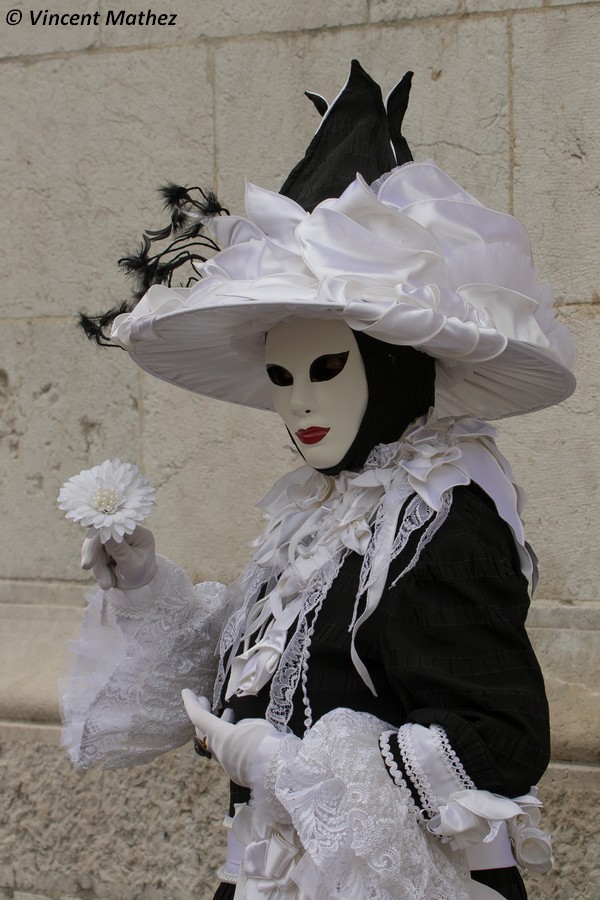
134,604
121,705
354,834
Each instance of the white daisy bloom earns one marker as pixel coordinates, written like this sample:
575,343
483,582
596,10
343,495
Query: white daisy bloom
113,498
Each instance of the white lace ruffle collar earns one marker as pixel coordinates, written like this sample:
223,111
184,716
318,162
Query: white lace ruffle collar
314,521
433,456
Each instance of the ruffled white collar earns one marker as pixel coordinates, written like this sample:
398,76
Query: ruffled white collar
314,521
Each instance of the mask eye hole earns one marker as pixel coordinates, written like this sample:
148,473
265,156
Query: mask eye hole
279,376
324,368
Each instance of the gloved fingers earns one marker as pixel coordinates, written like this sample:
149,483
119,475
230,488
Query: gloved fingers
195,700
94,557
201,739
198,709
242,750
141,539
92,550
126,564
208,726
104,576
134,558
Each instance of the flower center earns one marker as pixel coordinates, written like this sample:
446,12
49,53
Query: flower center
106,500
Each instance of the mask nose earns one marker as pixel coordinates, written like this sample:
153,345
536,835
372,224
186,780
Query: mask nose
303,398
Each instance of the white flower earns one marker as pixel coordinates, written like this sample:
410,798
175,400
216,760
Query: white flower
112,498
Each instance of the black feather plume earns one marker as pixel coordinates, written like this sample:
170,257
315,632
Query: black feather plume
94,326
185,207
186,243
173,194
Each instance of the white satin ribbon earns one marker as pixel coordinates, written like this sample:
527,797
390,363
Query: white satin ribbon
254,668
496,854
313,519
532,846
470,817
339,523
270,856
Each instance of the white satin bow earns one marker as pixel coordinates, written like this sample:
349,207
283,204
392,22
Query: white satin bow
469,817
254,668
270,857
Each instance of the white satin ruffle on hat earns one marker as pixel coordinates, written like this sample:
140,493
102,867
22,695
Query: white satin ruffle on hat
416,262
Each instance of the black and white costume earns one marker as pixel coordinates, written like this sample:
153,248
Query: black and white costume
379,627
482,715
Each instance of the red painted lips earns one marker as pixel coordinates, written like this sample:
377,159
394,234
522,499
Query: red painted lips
311,435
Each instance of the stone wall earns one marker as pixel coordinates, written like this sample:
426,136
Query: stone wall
93,117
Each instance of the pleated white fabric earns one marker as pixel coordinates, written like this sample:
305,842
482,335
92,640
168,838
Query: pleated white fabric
413,260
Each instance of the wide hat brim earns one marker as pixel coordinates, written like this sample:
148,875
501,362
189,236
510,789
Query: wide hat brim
220,352
415,261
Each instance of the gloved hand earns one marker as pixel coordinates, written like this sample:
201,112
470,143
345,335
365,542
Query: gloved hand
243,750
128,565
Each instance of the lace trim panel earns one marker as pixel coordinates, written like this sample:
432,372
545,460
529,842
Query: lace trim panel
358,827
423,513
414,771
123,703
448,756
294,659
431,764
392,765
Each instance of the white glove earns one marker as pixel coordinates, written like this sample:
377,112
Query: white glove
128,565
243,750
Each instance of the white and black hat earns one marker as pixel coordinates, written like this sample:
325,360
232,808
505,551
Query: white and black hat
394,248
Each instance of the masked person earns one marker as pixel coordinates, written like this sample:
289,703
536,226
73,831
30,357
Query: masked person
374,695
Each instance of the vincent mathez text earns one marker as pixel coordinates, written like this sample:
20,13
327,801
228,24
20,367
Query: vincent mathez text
111,17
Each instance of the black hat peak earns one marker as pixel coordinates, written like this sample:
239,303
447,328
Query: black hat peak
359,133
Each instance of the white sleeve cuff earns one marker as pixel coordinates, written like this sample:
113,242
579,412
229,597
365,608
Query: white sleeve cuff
478,822
358,833
121,703
431,764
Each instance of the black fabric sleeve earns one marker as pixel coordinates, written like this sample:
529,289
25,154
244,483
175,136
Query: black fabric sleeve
456,652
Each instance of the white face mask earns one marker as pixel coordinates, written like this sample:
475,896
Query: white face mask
319,386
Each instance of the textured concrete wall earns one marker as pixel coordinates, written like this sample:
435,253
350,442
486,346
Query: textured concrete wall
154,832
92,118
